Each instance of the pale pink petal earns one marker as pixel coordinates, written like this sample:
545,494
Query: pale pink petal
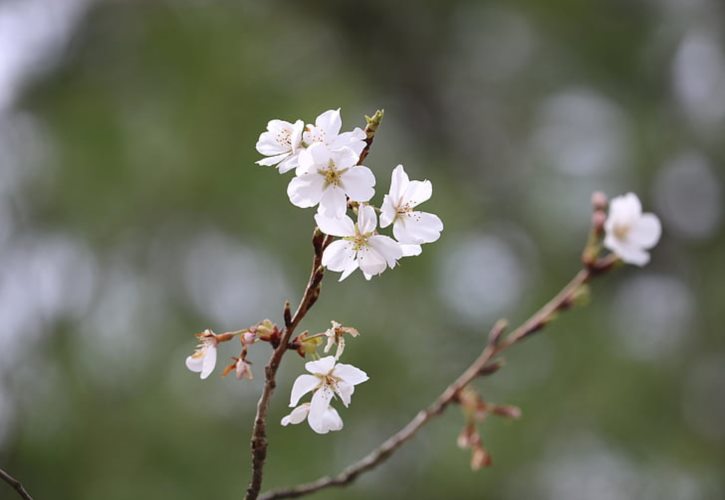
306,190
333,202
330,121
297,415
195,363
209,361
354,140
344,158
343,226
646,231
411,250
322,366
366,219
629,253
388,211
415,228
289,163
417,192
303,384
272,160
398,185
358,183
371,261
318,408
349,268
331,420
339,256
344,391
387,247
350,374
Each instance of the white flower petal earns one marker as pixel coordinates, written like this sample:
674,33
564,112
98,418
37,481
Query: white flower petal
646,231
344,158
209,361
367,221
330,121
398,184
331,420
359,183
344,391
339,256
306,190
388,211
349,268
354,140
272,160
322,366
629,253
411,250
387,247
298,415
417,192
371,261
303,384
333,202
342,226
415,228
350,374
195,363
318,409
289,163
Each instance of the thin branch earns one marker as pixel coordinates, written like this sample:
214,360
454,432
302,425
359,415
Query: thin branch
310,296
483,365
16,485
320,241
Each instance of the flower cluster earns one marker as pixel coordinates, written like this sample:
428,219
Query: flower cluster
328,175
328,378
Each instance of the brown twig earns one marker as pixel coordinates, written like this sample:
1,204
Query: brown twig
16,485
320,241
483,365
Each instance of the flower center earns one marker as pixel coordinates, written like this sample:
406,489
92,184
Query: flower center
621,231
284,137
333,176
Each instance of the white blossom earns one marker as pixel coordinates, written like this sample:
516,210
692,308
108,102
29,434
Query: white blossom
204,358
359,245
629,232
326,130
410,227
328,378
329,177
281,143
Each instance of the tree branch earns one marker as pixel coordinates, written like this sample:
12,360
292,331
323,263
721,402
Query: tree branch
483,365
15,484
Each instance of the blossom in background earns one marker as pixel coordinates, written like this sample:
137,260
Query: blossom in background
328,378
359,245
242,369
628,232
204,358
410,227
336,335
281,143
329,177
326,130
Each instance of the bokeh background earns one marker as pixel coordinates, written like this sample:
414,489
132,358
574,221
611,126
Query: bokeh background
132,216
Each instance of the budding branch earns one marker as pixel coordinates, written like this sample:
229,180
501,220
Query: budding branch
483,365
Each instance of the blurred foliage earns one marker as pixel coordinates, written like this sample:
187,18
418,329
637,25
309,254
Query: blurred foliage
150,119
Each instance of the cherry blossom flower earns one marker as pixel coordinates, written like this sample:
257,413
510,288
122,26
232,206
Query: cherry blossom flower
628,232
204,358
336,335
282,143
328,379
360,246
329,177
410,227
326,130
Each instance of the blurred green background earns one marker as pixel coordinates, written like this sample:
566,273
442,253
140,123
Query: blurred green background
132,216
